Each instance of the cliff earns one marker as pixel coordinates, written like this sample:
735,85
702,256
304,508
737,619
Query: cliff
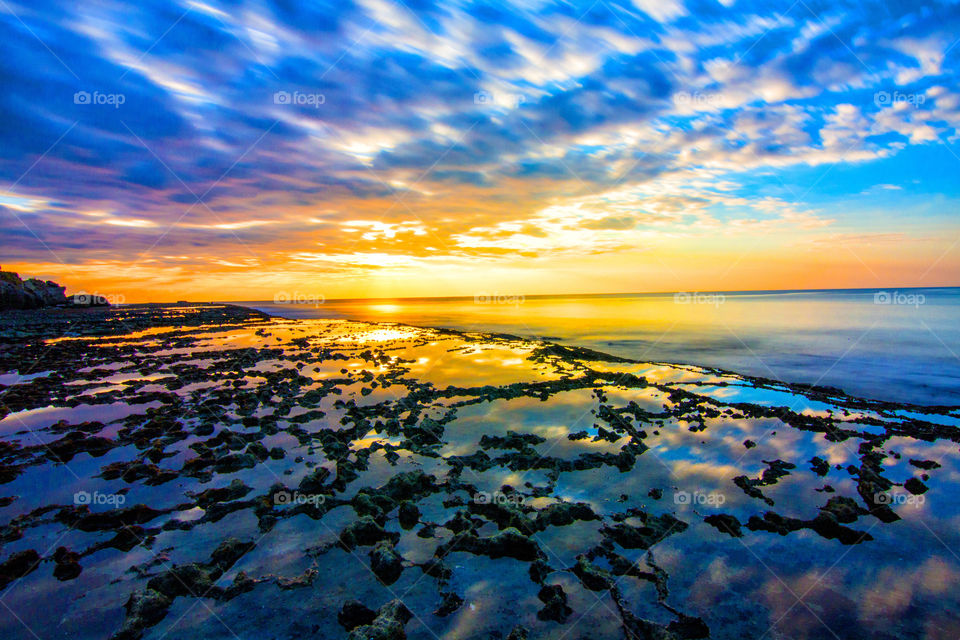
29,294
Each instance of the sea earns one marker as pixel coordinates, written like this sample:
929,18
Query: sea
901,345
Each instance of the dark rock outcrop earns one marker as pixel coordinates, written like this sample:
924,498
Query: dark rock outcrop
29,294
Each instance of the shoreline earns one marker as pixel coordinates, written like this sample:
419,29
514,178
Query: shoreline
214,451
823,390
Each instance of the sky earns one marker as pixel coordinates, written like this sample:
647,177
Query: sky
250,150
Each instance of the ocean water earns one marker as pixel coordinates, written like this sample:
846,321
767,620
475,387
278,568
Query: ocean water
900,345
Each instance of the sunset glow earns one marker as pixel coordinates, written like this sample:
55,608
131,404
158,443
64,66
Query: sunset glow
234,151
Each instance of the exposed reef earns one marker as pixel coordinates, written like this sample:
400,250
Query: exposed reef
342,479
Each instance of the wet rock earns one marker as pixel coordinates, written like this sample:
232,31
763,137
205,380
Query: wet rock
364,532
67,564
726,523
825,524
83,519
519,632
655,529
564,513
915,486
191,579
926,465
388,625
592,577
234,491
144,609
18,565
409,515
819,466
845,510
354,614
449,602
555,604
227,553
234,462
385,562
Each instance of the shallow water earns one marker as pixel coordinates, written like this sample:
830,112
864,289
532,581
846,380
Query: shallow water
899,345
823,535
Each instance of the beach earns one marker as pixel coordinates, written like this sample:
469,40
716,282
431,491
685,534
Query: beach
212,471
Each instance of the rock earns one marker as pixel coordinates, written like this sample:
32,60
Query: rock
819,466
386,563
363,532
914,486
17,566
355,614
449,602
654,530
388,625
235,461
30,294
592,578
519,632
409,515
67,564
555,604
144,609
726,523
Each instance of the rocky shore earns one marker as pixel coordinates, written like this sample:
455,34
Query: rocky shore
209,471
17,294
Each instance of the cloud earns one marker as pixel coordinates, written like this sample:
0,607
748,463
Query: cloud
465,130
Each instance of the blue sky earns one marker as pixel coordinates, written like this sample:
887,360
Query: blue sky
391,147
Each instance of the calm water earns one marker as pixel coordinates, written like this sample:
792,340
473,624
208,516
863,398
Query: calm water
899,345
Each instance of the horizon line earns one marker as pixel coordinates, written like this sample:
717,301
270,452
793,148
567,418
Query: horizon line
602,295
